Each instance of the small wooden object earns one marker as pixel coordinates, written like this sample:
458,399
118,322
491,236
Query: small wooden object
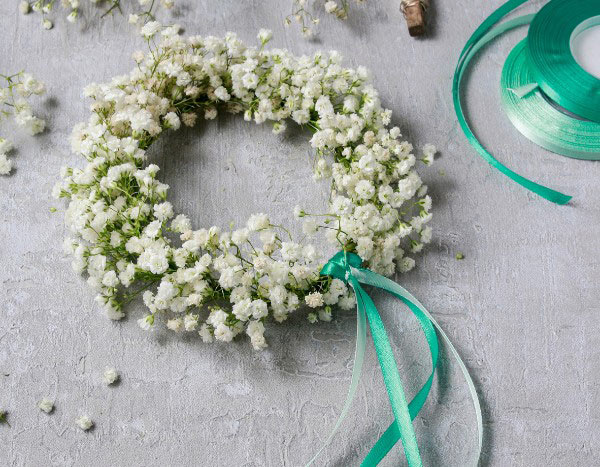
414,12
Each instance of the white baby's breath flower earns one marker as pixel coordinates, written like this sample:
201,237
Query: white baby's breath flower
175,324
84,423
210,113
310,226
265,35
46,405
240,236
110,376
331,6
24,7
146,323
406,264
5,165
314,300
258,222
325,314
190,322
205,333
172,120
189,119
150,29
5,146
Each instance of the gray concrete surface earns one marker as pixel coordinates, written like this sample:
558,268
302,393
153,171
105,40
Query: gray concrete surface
522,307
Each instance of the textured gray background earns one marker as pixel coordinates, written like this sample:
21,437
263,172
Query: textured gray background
522,307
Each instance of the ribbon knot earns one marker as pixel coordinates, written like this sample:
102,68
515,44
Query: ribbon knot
339,266
346,266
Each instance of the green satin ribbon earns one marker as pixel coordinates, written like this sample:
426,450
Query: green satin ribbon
539,120
347,267
482,35
552,63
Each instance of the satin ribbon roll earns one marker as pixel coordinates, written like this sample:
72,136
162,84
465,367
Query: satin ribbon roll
538,119
551,60
347,267
482,35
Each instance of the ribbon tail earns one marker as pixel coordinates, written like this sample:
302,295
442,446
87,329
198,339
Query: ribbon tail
359,356
392,379
391,436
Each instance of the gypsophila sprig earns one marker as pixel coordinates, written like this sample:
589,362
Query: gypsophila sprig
307,21
224,282
145,11
15,92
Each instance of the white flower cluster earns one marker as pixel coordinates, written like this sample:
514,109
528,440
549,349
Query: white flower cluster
13,101
302,16
45,7
216,282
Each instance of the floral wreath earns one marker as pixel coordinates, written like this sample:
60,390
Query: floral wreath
123,225
223,282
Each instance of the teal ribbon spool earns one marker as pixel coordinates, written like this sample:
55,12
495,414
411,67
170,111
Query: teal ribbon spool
552,68
347,267
537,119
552,63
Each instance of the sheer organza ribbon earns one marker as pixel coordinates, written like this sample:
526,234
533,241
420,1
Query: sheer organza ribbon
347,267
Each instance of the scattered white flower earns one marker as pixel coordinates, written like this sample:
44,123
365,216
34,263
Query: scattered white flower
46,405
429,151
301,14
84,423
110,376
5,146
331,6
24,7
46,7
14,93
5,165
